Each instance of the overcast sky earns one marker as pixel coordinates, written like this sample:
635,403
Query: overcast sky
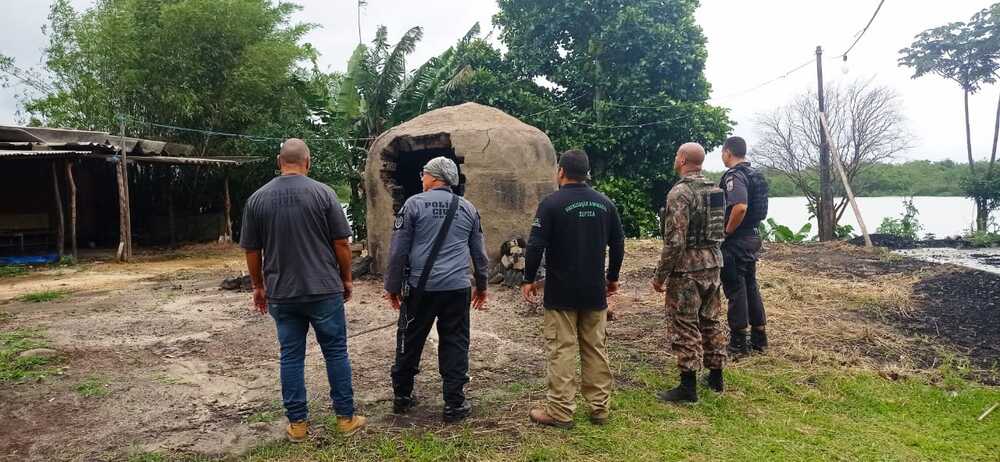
749,42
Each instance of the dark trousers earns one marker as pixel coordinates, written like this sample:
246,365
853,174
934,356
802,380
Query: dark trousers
451,309
739,282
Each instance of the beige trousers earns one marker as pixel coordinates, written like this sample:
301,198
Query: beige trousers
566,333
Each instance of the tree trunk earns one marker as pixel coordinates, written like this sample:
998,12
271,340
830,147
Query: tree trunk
72,207
61,225
996,135
982,215
968,135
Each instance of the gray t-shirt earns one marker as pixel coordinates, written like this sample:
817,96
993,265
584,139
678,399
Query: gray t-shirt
294,220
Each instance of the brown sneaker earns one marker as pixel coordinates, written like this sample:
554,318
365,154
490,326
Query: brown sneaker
598,419
297,431
539,416
348,426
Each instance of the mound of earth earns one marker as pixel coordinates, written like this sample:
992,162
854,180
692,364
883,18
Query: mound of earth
898,243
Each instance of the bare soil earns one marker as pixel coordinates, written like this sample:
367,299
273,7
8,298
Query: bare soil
190,369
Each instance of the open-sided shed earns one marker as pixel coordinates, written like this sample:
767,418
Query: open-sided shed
60,187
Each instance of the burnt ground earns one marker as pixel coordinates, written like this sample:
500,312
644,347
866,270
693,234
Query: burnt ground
963,307
190,370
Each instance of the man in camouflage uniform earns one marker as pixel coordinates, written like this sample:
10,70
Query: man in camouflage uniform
689,273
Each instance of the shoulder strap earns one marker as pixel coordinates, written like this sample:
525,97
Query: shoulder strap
436,248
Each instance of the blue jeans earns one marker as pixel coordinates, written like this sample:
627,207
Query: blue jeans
327,318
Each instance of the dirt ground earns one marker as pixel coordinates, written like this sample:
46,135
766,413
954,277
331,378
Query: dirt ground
190,369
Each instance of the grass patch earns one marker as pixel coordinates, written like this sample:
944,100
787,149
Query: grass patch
44,296
14,368
773,410
264,416
9,271
93,387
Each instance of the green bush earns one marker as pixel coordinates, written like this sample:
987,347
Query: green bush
774,232
906,226
632,199
984,239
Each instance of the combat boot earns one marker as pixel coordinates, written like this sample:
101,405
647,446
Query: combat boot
758,339
403,404
714,381
686,392
739,343
453,414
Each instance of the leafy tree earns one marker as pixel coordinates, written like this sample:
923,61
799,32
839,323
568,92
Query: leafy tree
631,197
365,104
629,76
967,53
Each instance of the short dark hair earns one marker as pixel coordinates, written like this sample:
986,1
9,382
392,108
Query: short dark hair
575,164
736,146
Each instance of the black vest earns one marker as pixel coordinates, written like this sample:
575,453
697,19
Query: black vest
757,192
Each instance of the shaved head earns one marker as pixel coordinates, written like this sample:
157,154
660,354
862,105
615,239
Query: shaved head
692,153
294,152
689,158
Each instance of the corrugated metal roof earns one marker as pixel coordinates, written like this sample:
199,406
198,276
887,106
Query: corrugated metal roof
16,154
77,154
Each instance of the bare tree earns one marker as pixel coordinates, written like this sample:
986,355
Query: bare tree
866,122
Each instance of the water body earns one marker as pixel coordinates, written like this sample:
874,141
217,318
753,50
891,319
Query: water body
940,216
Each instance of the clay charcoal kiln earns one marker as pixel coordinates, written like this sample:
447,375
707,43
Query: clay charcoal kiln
506,167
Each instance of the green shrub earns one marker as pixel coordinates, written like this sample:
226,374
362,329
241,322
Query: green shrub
906,226
774,232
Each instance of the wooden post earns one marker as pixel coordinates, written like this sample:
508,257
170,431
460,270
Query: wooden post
61,228
171,218
122,213
227,236
72,207
123,199
835,155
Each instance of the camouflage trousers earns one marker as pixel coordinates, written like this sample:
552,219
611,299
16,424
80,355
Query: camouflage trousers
694,307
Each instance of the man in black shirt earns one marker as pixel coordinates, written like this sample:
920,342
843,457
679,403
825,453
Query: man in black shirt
573,228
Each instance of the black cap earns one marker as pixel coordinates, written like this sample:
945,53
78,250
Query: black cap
576,164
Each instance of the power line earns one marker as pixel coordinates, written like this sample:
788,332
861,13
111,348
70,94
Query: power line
253,138
862,34
554,107
770,81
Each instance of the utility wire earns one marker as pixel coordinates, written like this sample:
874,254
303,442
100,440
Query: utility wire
862,34
554,107
254,138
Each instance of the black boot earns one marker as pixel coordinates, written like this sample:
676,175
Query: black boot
739,343
714,380
758,339
403,404
454,413
686,392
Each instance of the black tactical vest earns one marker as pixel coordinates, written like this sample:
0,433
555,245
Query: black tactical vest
757,196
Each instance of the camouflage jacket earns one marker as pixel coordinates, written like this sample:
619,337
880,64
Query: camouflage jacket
676,257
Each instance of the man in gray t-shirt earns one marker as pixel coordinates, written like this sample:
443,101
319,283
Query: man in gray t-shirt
296,236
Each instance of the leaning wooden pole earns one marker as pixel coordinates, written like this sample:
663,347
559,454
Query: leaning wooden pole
61,227
72,207
835,155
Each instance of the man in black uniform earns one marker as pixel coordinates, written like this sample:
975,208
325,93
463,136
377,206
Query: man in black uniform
573,228
746,200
